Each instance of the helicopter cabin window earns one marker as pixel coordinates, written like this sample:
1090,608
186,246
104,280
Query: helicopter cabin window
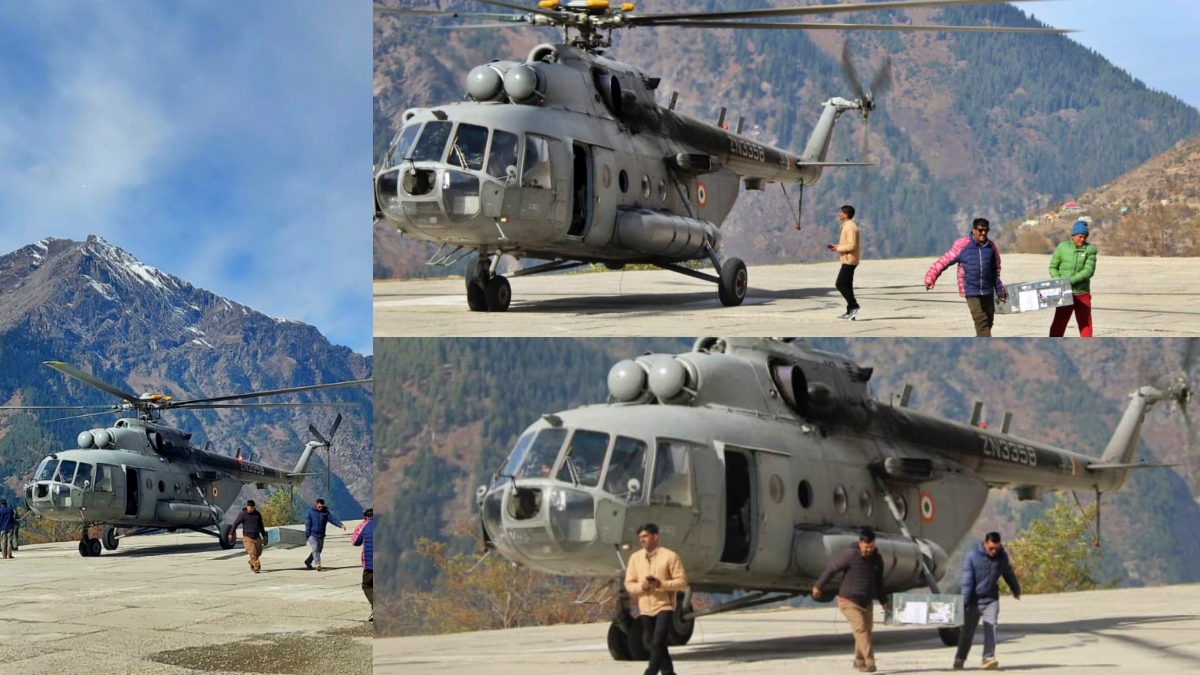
585,458
672,474
536,172
542,454
662,190
66,471
628,464
504,154
432,144
470,144
104,477
646,187
623,180
83,477
404,142
46,471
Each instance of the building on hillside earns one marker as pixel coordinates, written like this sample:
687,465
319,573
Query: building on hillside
1072,207
1029,223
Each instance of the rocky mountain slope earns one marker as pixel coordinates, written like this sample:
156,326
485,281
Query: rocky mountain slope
95,306
992,125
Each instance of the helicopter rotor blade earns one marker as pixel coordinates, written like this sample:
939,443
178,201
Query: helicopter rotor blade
271,392
883,78
850,72
94,414
210,406
555,16
337,422
87,378
312,429
56,407
657,19
859,26
434,14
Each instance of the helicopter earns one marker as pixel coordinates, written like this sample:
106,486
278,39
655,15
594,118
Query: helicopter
760,459
567,156
140,476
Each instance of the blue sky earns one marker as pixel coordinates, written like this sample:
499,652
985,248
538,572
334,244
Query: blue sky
1154,40
227,143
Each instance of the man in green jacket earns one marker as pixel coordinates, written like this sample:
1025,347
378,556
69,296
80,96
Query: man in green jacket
1076,260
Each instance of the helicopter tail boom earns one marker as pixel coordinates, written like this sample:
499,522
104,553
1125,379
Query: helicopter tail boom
298,474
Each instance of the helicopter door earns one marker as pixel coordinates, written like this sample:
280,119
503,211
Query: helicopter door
605,196
543,191
740,510
775,523
131,491
581,192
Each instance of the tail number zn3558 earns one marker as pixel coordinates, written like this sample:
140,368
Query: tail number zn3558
1009,451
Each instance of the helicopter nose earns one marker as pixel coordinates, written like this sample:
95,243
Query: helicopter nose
539,520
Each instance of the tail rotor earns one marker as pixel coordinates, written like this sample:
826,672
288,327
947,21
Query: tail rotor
327,443
866,98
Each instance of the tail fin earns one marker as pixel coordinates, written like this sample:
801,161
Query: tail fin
1118,455
305,457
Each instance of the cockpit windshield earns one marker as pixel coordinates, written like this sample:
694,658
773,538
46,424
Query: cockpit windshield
626,475
432,144
404,142
542,454
46,471
504,154
470,144
66,471
585,458
83,477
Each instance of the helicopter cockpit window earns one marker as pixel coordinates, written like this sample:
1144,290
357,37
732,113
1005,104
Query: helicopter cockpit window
404,142
542,454
66,471
585,458
83,477
104,477
628,463
518,453
672,474
504,154
536,172
432,143
470,144
46,472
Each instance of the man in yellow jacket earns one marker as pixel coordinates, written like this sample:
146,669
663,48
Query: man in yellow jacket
654,575
849,252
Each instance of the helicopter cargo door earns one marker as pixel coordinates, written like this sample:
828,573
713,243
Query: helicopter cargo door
605,196
129,487
581,191
775,522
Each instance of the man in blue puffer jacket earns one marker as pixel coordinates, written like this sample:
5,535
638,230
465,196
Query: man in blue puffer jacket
978,262
982,569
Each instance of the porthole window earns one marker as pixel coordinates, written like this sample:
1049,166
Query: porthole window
840,501
804,492
149,484
662,190
866,503
162,487
775,488
623,181
177,487
646,187
605,176
902,505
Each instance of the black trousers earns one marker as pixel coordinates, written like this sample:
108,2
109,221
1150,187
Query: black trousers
368,586
845,284
654,631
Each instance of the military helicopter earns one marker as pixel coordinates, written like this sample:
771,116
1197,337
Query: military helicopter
760,459
140,475
568,157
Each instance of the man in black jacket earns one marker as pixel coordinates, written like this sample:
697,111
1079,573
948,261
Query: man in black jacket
253,533
862,584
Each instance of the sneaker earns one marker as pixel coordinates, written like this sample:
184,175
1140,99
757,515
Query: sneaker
852,314
845,316
958,665
308,564
869,669
991,664
318,568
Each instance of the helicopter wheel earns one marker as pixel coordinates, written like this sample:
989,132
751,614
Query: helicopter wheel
618,643
681,630
635,640
476,299
223,536
84,550
498,294
949,636
94,547
734,281
109,538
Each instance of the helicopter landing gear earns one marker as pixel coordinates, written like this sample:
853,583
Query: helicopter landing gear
109,538
486,290
223,539
949,636
88,547
731,289
680,632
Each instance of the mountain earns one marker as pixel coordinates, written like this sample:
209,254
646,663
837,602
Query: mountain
1152,210
98,308
451,409
991,125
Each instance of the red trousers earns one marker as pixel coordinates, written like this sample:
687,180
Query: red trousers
1083,316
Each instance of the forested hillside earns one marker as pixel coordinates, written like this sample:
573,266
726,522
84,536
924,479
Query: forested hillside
991,125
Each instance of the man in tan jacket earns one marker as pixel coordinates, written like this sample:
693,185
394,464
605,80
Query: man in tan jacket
654,575
849,250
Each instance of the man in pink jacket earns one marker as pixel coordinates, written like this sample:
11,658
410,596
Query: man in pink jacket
978,262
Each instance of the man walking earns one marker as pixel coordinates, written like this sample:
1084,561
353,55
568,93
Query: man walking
253,533
654,575
314,532
8,525
862,584
982,569
1076,260
978,262
849,250
364,536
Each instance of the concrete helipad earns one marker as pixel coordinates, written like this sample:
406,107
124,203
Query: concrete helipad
176,603
1132,297
1131,631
